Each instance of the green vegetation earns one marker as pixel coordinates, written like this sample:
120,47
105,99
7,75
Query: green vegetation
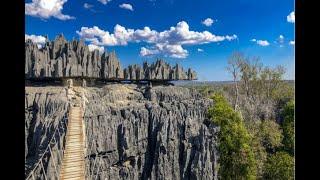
267,138
280,166
236,155
288,127
256,117
270,135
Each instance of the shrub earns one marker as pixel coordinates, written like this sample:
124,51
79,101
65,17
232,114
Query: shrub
237,159
288,127
271,134
280,166
266,138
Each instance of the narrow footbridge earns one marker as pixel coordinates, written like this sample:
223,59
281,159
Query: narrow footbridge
73,164
69,158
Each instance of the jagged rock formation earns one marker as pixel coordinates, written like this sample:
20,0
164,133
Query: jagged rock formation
159,70
60,58
44,109
111,67
138,132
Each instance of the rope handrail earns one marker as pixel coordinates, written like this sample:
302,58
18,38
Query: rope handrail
47,149
54,142
89,171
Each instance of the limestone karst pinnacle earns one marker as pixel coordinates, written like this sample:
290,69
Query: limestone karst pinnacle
61,58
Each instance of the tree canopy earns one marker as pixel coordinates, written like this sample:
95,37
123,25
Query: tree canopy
236,155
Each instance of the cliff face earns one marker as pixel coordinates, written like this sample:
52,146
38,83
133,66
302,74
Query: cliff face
45,108
60,58
134,132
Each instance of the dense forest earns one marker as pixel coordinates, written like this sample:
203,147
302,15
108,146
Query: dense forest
255,114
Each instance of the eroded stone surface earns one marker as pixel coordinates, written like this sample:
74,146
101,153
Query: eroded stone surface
139,138
60,58
45,108
135,132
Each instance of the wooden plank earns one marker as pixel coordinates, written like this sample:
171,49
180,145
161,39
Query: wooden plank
73,165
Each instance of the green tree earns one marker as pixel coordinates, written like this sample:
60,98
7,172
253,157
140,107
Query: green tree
237,159
260,155
280,166
270,134
266,137
288,127
205,91
254,86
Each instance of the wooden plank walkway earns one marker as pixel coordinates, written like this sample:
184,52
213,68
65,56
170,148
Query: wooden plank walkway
73,165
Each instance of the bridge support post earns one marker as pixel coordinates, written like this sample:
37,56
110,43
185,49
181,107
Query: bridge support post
70,83
84,83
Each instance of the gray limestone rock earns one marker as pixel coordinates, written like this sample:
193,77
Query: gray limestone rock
45,108
191,74
135,72
178,73
126,74
157,133
60,58
133,132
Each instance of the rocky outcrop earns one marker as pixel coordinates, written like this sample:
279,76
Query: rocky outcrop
111,67
133,131
142,133
45,108
60,58
134,72
191,74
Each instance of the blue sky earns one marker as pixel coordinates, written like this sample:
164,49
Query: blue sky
205,47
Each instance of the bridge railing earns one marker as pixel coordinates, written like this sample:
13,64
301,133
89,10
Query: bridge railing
53,153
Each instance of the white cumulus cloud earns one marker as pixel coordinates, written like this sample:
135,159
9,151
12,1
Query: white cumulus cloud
292,43
93,47
207,22
87,5
97,36
104,1
46,9
200,50
182,35
280,40
126,6
39,40
261,42
291,17
168,50
148,52
168,42
230,38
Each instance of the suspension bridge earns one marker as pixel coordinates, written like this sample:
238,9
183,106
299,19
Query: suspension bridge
70,158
